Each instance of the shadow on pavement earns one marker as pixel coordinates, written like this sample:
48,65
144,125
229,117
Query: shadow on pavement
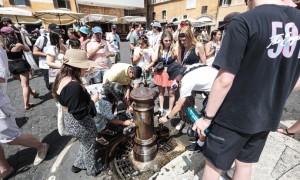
56,142
21,121
22,161
44,98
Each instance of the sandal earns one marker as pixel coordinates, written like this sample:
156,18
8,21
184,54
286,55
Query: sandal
7,174
29,106
107,132
102,141
286,132
35,94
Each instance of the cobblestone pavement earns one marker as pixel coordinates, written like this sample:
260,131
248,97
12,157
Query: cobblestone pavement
40,121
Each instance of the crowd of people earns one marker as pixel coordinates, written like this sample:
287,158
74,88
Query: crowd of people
167,57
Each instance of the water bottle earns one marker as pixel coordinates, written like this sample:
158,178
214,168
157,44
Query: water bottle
194,116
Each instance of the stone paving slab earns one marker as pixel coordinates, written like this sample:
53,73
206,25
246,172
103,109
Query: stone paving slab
280,159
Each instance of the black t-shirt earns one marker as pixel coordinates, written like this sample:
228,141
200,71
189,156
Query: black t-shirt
265,71
77,100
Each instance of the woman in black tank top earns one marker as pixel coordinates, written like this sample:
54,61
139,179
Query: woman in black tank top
19,67
189,50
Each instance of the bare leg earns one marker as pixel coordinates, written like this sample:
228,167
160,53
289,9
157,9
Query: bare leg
27,141
4,166
242,170
171,99
211,172
161,91
24,78
293,129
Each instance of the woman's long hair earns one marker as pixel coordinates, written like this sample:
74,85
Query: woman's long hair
190,38
9,41
54,39
65,71
213,33
113,91
165,34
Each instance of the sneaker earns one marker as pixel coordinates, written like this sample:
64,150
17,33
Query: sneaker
41,154
194,147
193,139
180,125
102,141
75,169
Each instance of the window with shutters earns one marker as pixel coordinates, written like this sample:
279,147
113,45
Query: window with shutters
153,15
225,2
204,10
164,14
61,4
20,2
185,16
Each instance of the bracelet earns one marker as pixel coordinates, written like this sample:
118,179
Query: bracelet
204,114
167,117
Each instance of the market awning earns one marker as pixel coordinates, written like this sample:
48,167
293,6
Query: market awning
100,18
124,4
18,15
131,19
58,16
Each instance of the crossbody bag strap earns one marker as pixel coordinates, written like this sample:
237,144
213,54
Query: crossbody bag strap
193,68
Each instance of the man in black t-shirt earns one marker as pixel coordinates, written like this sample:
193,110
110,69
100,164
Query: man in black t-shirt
259,66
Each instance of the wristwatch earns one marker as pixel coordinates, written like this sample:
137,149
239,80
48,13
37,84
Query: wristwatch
204,114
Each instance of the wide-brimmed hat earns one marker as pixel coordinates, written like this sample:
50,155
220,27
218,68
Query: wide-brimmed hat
174,69
77,58
227,19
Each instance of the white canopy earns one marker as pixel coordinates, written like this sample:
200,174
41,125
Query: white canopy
194,22
131,19
19,15
121,4
58,16
100,18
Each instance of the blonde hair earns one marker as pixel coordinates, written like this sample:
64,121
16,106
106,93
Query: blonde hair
161,44
190,38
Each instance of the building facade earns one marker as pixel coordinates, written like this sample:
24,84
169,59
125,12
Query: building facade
38,5
228,6
167,11
211,12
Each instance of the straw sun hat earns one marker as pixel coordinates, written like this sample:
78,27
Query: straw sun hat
77,58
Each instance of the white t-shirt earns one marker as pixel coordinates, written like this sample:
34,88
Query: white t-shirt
154,40
39,43
146,58
113,40
53,51
200,79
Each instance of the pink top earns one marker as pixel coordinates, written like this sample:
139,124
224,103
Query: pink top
100,56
